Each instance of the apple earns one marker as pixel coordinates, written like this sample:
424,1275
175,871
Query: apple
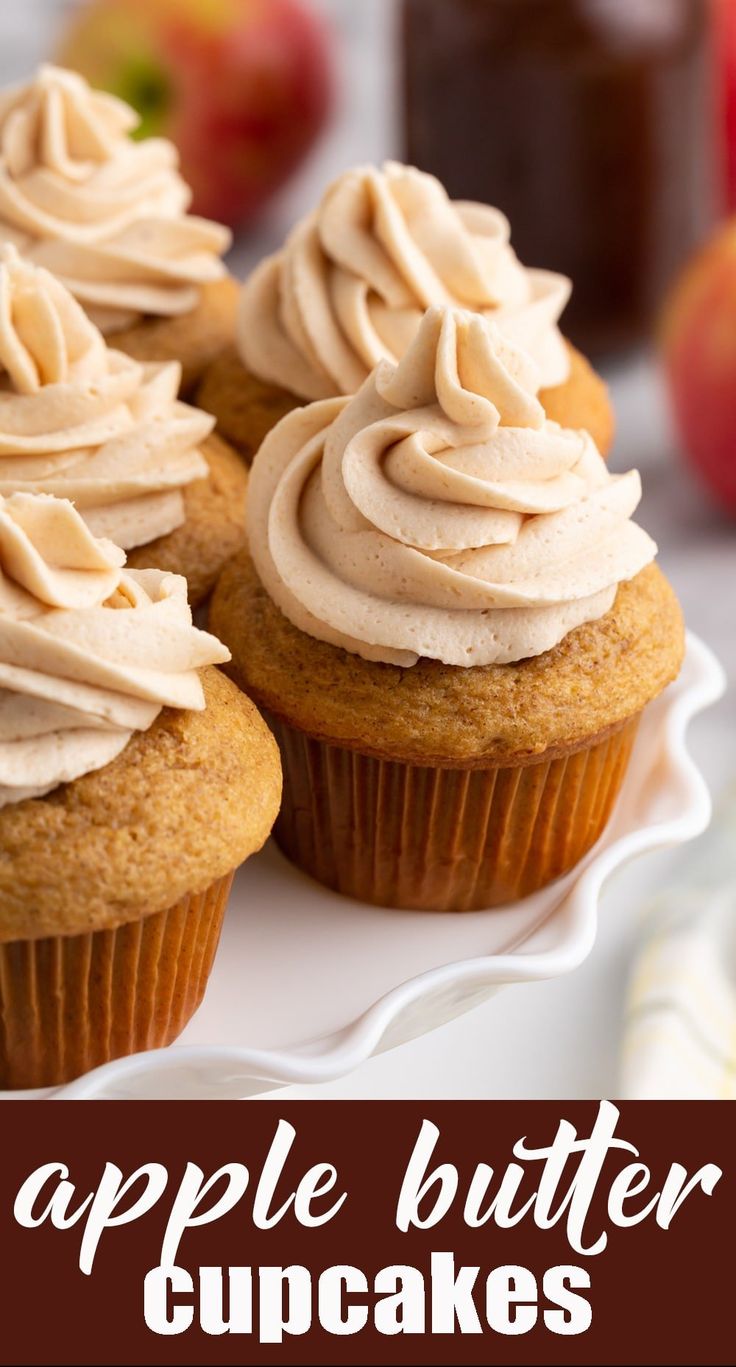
699,348
242,87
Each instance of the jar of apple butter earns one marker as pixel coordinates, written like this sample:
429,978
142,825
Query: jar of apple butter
588,122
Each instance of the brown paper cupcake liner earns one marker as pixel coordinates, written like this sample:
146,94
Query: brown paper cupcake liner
442,839
70,1003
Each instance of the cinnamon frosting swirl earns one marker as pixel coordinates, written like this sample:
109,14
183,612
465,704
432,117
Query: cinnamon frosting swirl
439,513
105,214
81,421
354,279
89,652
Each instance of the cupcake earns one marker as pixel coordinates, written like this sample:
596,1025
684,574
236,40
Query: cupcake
453,624
108,216
350,288
83,421
131,787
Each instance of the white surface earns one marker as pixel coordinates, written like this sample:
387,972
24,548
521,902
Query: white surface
560,1038
276,1010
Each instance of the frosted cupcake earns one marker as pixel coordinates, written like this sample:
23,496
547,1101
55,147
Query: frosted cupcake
82,421
134,779
349,290
453,623
108,216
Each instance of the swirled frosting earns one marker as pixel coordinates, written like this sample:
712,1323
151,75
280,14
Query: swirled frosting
354,279
89,652
439,513
81,421
107,215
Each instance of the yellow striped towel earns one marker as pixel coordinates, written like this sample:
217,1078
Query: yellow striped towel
680,1023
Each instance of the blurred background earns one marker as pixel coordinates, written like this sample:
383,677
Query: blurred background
606,130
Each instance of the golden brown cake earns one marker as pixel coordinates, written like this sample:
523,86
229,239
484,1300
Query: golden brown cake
452,623
195,339
214,525
135,779
246,408
114,888
438,789
437,714
172,814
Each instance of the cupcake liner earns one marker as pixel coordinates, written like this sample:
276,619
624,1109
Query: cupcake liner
71,1002
443,839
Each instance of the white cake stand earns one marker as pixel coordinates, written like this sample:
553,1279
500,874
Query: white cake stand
307,985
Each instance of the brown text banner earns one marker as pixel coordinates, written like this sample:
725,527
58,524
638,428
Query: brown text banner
357,1232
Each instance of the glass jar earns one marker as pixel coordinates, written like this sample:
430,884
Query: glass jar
588,122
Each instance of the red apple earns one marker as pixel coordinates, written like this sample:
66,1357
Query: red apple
699,341
242,87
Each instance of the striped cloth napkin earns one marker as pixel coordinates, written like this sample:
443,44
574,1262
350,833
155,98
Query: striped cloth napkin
680,1020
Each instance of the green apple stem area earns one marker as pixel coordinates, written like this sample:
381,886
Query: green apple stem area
242,87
